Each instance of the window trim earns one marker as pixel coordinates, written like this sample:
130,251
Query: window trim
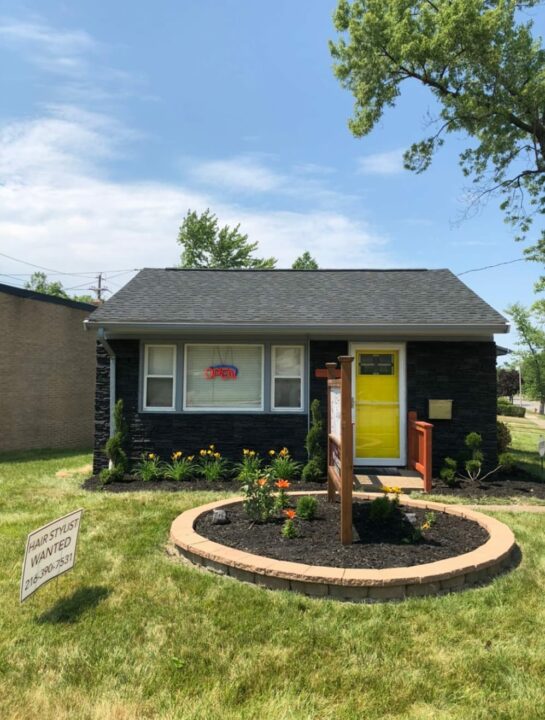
160,408
301,377
231,408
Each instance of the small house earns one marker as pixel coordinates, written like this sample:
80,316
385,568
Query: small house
229,357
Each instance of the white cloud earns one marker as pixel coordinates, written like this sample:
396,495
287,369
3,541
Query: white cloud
243,173
58,208
385,163
51,49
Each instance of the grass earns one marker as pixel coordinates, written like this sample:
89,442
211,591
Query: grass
132,634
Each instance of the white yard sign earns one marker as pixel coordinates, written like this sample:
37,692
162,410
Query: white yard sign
335,411
50,552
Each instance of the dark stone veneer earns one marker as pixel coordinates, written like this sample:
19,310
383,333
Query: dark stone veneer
462,371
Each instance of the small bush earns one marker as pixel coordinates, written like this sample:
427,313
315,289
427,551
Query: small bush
315,468
506,462
307,507
511,410
289,531
260,501
504,436
283,466
114,448
383,510
249,466
448,471
181,468
149,467
212,467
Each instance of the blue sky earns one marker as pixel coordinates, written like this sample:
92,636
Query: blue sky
116,118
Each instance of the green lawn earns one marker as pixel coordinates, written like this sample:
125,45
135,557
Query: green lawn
525,435
133,634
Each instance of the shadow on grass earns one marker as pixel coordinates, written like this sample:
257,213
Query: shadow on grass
69,610
21,456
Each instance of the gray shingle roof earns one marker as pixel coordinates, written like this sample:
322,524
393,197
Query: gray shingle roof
298,298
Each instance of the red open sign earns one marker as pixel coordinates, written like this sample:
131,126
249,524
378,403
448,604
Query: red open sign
225,372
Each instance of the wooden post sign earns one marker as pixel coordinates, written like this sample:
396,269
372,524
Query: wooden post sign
340,470
50,552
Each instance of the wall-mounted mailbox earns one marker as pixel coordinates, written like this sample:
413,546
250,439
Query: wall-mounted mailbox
440,409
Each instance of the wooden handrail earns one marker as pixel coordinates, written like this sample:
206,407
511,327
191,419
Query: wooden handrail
419,448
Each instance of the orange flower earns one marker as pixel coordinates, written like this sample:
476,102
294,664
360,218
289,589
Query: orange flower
262,481
290,514
284,452
282,484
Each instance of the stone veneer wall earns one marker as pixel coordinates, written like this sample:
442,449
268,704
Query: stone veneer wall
462,371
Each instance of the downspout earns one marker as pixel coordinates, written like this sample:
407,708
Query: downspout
101,337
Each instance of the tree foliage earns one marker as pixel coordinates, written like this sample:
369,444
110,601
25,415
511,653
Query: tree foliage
486,69
305,262
206,245
528,323
508,382
39,283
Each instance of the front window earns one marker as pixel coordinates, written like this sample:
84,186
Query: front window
159,377
223,377
287,377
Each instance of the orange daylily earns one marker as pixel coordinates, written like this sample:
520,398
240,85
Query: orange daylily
282,484
262,481
290,514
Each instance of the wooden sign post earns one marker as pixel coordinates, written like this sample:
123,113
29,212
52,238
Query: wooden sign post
340,470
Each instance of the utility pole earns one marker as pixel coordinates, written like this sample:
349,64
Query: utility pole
99,289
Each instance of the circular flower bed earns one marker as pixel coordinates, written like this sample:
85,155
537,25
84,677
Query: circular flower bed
435,549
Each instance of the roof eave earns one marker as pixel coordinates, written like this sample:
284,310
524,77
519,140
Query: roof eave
307,329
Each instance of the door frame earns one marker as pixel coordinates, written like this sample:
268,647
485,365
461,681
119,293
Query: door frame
400,461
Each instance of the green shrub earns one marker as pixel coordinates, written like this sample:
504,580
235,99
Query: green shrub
315,467
259,500
212,467
114,448
383,509
307,507
448,471
506,462
504,436
249,466
181,468
283,466
511,410
149,467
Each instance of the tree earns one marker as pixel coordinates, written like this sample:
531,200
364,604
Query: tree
305,262
508,382
39,283
486,69
206,245
533,340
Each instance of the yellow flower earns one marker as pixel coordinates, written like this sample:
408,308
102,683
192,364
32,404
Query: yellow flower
190,457
251,453
202,453
425,526
245,451
284,452
209,452
212,447
151,456
396,490
217,455
272,452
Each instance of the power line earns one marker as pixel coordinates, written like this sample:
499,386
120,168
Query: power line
90,273
488,267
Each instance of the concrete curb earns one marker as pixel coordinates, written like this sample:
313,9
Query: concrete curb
456,573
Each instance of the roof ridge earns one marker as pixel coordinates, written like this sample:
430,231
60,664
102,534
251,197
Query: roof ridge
290,270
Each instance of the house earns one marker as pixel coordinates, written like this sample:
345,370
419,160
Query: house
229,357
47,372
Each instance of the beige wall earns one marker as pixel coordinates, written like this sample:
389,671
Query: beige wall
47,375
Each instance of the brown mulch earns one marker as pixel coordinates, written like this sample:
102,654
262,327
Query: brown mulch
374,546
521,485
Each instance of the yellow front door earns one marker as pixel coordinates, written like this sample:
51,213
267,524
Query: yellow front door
377,404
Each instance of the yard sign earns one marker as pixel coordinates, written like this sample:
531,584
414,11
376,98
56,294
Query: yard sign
340,469
50,552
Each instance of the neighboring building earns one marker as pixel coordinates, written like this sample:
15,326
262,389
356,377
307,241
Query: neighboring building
229,357
47,371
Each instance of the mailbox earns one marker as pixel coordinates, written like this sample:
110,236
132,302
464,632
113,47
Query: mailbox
440,409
